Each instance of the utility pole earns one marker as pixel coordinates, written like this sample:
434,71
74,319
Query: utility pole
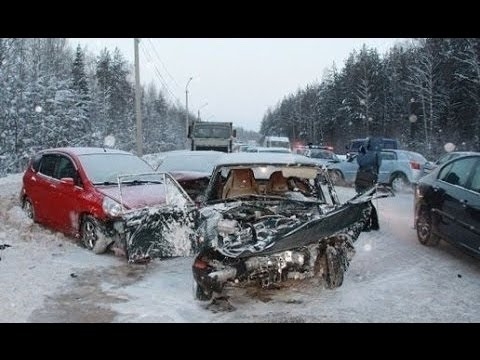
138,109
186,112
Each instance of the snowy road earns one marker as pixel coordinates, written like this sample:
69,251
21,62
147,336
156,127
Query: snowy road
46,277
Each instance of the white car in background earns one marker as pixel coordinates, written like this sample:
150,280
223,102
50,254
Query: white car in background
399,170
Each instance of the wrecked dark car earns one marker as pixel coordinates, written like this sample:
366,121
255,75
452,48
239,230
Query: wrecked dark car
269,218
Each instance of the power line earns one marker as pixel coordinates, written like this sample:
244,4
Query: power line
161,62
149,58
157,72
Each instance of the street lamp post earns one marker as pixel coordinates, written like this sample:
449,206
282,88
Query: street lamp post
186,107
198,111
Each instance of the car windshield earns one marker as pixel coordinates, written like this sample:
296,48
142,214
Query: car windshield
105,168
189,162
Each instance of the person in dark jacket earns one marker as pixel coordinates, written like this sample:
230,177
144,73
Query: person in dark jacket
369,161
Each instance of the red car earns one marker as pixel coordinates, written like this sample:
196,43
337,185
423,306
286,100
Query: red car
99,195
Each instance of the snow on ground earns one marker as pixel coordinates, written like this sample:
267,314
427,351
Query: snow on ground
46,277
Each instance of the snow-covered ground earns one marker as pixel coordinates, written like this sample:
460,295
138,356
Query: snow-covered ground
46,277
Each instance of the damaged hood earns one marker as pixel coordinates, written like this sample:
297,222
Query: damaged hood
136,196
252,228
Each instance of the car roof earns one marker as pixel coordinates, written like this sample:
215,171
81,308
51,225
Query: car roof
465,154
258,158
86,150
191,152
462,153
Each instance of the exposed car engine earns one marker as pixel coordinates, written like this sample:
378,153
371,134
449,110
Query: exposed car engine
266,243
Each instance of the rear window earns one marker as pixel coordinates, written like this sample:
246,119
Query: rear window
417,157
390,144
203,163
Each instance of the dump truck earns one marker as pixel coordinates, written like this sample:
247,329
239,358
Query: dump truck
212,135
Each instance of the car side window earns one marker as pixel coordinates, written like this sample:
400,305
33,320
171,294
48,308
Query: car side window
458,172
36,162
47,164
475,183
65,169
387,155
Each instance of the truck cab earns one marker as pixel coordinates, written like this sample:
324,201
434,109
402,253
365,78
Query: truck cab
217,136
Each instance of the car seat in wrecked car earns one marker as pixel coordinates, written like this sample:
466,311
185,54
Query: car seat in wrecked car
277,183
240,182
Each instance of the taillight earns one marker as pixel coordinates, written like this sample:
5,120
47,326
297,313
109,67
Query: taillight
414,165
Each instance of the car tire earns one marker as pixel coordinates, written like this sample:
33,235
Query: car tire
335,269
91,236
400,183
336,177
27,206
424,228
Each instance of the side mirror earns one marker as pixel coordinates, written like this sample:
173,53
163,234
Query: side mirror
189,131
234,133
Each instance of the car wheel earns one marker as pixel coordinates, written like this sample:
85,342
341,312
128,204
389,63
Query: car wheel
91,236
400,183
425,229
27,206
336,177
334,267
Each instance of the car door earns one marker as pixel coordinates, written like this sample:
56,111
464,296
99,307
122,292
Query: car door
66,195
389,158
452,181
471,208
43,190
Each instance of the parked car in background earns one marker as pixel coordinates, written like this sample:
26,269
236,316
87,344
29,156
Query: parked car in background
100,195
399,169
265,220
322,156
447,204
192,169
240,147
429,166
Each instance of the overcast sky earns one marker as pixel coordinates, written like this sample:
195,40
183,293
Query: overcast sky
238,78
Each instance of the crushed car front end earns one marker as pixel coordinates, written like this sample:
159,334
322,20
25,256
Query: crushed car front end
267,237
156,219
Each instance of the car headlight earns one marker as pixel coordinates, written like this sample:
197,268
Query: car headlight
111,207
